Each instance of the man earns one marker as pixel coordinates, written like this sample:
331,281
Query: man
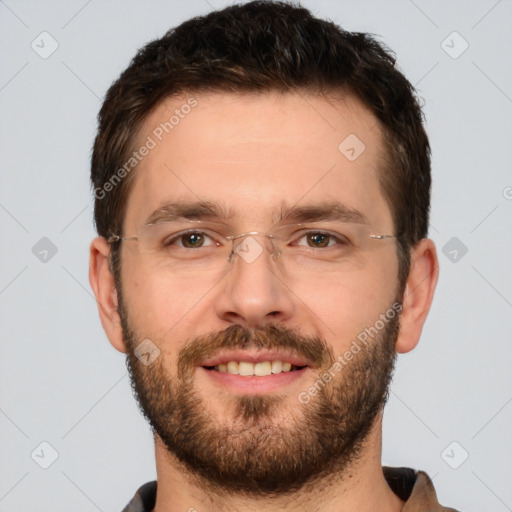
262,185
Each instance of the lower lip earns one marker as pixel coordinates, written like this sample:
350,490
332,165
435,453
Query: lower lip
253,384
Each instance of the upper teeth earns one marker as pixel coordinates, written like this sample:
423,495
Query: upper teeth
261,369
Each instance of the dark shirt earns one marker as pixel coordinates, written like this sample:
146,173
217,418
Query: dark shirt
414,487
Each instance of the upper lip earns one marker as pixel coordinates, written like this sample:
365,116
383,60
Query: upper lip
254,356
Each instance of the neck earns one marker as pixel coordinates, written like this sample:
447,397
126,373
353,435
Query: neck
360,487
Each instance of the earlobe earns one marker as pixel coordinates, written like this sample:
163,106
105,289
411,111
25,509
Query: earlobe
103,285
418,295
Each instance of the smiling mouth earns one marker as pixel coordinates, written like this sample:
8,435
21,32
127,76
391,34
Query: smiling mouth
260,369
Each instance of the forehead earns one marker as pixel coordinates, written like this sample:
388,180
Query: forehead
256,153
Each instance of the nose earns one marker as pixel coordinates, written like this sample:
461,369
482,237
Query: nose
247,247
253,292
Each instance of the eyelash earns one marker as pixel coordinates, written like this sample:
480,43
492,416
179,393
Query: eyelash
340,239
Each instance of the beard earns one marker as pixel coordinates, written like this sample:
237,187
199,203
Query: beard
263,445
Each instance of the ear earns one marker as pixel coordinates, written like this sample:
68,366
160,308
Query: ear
418,295
102,283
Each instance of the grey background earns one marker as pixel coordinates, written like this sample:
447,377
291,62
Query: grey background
60,380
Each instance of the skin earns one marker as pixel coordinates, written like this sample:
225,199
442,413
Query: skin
253,153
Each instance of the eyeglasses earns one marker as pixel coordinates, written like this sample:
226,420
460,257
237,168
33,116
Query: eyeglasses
203,247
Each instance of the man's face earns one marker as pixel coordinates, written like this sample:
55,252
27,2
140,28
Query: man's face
257,156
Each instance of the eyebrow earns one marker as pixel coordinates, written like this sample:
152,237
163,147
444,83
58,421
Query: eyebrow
326,211
187,210
204,210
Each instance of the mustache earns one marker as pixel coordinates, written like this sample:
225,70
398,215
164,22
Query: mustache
313,349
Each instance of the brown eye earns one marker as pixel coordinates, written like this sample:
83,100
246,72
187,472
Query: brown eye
192,240
318,239
321,240
189,240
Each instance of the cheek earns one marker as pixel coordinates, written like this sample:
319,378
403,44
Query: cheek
354,301
154,304
166,309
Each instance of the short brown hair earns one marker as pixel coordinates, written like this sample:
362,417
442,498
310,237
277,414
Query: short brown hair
258,46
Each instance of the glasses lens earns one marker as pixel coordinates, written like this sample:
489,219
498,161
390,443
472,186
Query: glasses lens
317,250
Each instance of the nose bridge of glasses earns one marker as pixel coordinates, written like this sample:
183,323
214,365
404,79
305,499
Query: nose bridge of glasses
249,249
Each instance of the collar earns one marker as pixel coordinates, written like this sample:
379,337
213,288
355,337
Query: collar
414,487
